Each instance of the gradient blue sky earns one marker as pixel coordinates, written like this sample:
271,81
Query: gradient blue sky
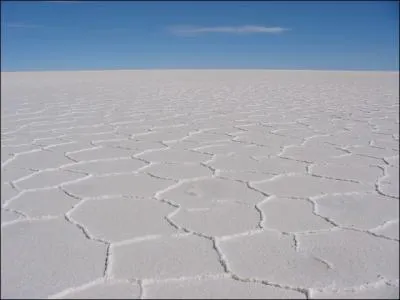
83,35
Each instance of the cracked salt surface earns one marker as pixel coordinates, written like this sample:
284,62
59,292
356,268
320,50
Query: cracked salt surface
200,184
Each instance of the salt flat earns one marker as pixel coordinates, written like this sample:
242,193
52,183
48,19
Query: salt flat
189,184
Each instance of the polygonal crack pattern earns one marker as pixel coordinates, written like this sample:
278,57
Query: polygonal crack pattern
105,290
218,288
205,193
183,184
146,217
44,257
180,256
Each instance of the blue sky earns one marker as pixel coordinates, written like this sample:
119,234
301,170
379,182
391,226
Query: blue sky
83,35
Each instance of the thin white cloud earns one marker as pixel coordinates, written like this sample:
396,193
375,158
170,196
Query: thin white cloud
22,25
247,29
67,2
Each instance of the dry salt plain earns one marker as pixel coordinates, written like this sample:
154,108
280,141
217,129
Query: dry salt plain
189,184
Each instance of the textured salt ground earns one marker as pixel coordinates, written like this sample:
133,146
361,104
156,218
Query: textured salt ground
200,184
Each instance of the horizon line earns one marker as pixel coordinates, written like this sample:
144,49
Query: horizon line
204,69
